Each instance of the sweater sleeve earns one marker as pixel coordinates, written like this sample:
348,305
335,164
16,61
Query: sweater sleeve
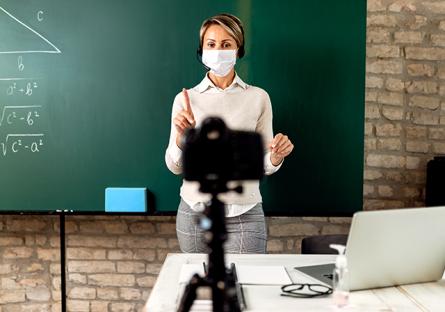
173,154
264,127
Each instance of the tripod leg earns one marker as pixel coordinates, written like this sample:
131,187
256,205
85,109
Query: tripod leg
234,294
189,295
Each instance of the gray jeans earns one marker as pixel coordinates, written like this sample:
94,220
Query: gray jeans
246,233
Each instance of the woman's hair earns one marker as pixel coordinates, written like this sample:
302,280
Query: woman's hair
231,24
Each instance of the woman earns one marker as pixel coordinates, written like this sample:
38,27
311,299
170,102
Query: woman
222,93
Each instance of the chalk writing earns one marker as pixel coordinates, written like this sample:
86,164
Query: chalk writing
40,16
20,64
19,124
25,114
15,143
24,89
53,48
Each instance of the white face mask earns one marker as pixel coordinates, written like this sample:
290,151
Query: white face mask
220,62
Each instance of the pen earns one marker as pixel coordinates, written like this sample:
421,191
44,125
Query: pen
239,289
205,268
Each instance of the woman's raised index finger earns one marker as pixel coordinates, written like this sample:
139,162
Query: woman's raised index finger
187,100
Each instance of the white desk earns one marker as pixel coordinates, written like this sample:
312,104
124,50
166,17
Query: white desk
418,297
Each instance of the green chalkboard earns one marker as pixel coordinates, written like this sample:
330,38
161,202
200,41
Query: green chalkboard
86,89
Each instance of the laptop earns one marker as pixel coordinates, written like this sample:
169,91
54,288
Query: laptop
391,247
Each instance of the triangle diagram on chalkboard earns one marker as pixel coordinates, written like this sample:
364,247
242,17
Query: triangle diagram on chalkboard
17,37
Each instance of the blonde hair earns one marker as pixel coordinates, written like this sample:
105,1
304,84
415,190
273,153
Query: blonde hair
231,24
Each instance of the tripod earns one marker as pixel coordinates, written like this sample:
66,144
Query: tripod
221,281
213,156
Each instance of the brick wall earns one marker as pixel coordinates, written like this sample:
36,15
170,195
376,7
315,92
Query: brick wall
405,108
112,262
29,270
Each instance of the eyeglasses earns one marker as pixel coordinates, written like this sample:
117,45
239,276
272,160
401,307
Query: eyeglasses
305,290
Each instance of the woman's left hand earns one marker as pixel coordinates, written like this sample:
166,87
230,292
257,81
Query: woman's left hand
280,147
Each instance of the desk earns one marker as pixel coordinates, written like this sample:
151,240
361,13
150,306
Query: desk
417,297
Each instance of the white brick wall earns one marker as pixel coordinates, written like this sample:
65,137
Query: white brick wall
405,89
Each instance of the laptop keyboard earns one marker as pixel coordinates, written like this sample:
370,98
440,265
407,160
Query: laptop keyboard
330,276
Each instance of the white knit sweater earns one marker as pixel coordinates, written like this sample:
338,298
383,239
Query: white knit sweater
242,107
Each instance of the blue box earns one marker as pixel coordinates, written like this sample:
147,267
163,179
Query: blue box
126,199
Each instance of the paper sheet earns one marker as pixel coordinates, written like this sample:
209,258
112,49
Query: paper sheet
202,306
262,275
188,270
247,274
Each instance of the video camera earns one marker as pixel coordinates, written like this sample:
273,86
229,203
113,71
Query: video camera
214,155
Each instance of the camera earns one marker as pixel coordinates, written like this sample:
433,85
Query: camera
214,154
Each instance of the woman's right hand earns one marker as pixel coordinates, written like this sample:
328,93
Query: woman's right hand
184,119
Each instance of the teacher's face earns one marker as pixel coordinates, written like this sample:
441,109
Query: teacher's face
217,38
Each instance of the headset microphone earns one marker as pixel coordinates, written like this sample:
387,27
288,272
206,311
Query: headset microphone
199,57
